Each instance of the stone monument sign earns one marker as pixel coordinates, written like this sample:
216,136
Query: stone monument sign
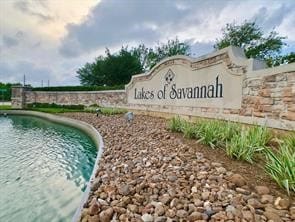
181,81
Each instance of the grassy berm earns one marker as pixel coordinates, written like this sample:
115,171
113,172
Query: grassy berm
147,173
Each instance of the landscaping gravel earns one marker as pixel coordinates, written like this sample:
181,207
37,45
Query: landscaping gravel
147,173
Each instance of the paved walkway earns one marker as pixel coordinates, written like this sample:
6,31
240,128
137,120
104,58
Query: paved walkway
147,174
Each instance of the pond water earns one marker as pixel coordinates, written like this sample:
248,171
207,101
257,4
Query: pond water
44,169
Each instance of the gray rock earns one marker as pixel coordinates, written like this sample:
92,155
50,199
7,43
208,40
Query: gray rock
238,180
261,190
106,215
160,210
266,198
182,213
160,219
124,190
195,216
147,218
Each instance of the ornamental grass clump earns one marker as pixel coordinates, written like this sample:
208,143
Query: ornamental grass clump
107,111
112,111
228,130
280,165
176,124
244,145
210,132
189,130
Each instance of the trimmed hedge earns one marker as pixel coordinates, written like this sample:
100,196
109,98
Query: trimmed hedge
53,105
78,88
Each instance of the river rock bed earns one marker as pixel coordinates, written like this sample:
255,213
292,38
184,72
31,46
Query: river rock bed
147,174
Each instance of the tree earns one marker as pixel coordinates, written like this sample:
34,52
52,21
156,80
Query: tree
117,68
5,91
283,59
112,69
251,38
163,50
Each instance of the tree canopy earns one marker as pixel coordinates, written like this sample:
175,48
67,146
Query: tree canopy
117,68
255,43
5,91
111,69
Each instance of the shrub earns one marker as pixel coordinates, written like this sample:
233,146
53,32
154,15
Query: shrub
251,140
289,140
208,132
259,136
280,165
228,130
105,110
216,133
176,124
189,130
54,105
112,111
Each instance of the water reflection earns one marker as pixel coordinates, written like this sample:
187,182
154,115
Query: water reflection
44,169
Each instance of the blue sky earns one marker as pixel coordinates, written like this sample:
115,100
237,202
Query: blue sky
51,39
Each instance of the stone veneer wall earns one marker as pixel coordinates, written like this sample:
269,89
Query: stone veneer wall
102,98
271,97
268,98
268,95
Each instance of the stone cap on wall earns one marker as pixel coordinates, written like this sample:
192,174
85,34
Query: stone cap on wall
233,58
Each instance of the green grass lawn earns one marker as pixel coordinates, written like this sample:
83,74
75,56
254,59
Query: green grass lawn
5,107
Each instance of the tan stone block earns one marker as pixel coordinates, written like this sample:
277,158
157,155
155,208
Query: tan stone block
259,114
273,115
264,92
276,90
246,112
234,111
289,116
204,109
212,110
253,100
226,111
270,78
266,101
291,77
270,85
281,77
276,95
254,83
266,108
288,99
291,107
287,92
282,84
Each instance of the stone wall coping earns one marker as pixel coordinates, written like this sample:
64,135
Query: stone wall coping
236,55
83,126
272,71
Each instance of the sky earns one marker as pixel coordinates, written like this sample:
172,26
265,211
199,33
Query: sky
51,39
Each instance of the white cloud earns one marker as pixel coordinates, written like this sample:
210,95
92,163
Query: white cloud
51,39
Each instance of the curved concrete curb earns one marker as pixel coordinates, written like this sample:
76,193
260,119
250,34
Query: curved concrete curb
85,127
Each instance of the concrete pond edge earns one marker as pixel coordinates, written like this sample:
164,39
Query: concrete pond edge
84,127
